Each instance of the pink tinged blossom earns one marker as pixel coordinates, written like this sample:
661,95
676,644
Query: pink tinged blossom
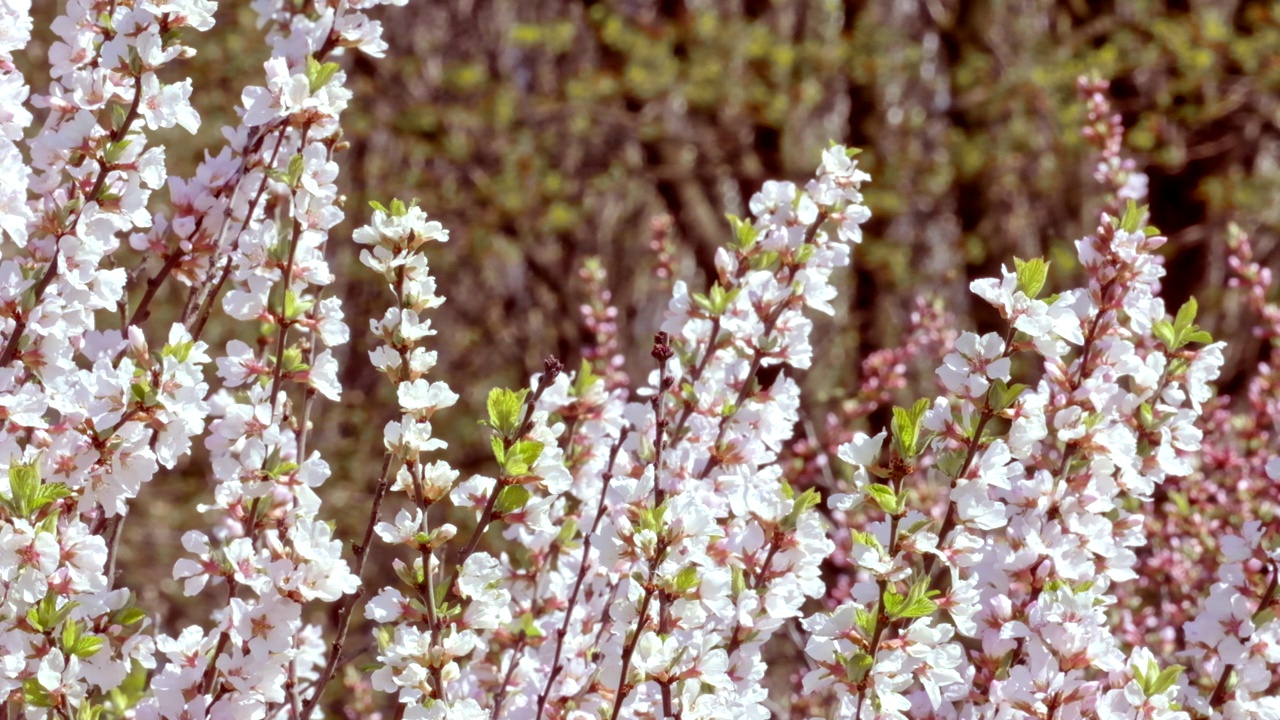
240,364
422,396
164,107
269,626
324,575
323,376
387,607
480,580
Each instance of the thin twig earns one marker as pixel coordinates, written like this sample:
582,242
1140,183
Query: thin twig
563,632
344,618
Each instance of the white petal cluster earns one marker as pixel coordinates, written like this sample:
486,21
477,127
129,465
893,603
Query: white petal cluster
631,551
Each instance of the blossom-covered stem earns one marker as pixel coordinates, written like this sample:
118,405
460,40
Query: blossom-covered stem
949,520
662,352
153,285
1091,337
883,621
501,696
811,233
1017,655
344,618
224,637
427,588
696,375
552,369
1220,690
971,454
283,322
205,305
20,325
556,666
757,356
204,294
624,688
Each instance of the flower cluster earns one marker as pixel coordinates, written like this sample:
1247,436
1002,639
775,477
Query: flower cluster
647,551
91,414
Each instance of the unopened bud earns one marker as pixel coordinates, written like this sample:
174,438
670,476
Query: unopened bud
661,347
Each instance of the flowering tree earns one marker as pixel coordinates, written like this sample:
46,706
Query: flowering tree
646,551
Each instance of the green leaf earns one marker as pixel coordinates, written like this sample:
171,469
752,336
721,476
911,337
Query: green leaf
115,151
703,302
179,352
916,603
802,504
585,380
919,607
1165,680
295,308
906,426
1032,275
119,114
521,456
788,492
70,634
319,74
865,538
1004,395
856,667
293,361
893,603
718,297
686,579
86,646
512,498
1183,330
504,410
885,498
568,531
131,616
34,693
764,260
528,627
1146,414
294,173
46,615
866,621
1131,220
1164,332
717,301
949,463
24,481
28,494
1186,315
744,233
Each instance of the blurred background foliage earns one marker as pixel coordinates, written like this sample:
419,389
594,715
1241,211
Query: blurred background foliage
545,132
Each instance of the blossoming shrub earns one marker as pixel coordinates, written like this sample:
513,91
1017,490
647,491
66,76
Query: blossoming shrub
635,552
